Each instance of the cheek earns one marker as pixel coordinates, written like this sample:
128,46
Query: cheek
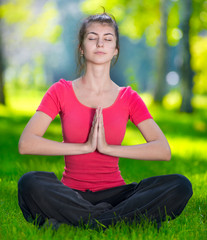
88,46
112,46
114,49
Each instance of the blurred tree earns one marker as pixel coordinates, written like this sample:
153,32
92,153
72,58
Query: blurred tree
32,21
198,43
2,97
199,60
162,54
185,66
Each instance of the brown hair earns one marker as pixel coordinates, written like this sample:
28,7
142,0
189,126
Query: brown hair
98,18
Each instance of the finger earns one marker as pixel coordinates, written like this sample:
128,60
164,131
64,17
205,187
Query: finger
95,123
100,113
95,118
101,117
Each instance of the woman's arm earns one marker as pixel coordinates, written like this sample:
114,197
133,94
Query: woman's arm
33,142
156,148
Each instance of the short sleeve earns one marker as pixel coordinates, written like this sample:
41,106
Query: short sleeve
51,102
137,109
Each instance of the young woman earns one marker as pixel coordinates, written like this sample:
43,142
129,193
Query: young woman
94,112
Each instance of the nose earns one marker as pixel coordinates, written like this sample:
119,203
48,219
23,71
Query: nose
99,43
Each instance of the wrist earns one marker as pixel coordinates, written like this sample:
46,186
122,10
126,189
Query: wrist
105,150
87,148
112,150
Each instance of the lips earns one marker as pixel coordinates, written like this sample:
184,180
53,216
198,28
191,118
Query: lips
100,53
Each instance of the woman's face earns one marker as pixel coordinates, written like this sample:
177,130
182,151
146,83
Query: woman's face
99,45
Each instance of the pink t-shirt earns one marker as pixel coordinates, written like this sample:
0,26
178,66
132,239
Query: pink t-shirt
93,171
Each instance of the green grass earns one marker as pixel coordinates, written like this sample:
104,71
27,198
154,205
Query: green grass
187,134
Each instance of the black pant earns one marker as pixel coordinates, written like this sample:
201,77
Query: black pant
42,196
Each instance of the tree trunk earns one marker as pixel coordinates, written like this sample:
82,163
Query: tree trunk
162,55
185,67
2,96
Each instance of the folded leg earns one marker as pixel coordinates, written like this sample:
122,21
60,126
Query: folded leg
153,198
42,196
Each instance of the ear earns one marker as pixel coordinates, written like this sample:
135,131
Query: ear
81,51
116,52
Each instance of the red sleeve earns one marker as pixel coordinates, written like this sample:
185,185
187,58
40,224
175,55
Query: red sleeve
137,109
51,102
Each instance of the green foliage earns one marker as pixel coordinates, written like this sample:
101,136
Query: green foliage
130,79
30,75
199,60
174,34
172,100
186,135
44,25
41,25
28,27
21,13
199,18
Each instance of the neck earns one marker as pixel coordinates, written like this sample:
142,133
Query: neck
97,77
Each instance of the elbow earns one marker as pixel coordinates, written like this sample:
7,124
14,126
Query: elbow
22,147
27,144
167,153
168,156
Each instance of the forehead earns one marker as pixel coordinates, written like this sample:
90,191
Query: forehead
100,28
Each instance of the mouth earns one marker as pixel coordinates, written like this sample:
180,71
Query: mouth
100,53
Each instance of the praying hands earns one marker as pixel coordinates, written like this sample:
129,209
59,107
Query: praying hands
96,139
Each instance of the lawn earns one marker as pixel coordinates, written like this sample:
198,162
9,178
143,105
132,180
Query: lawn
187,135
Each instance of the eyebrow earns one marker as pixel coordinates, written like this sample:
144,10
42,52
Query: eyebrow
97,33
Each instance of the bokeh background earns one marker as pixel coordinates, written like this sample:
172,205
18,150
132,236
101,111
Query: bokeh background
163,46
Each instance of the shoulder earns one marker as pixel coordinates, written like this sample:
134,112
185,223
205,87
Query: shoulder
128,90
60,86
129,94
62,83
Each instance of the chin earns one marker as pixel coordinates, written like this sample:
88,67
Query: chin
101,61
